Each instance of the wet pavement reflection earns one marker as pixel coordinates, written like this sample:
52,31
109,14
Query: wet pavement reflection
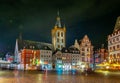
7,76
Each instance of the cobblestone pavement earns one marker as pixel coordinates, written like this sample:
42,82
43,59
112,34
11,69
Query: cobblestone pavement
38,77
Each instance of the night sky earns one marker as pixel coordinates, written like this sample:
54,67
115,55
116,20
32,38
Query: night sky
35,19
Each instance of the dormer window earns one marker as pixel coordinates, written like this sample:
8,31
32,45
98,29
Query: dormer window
45,47
31,47
65,50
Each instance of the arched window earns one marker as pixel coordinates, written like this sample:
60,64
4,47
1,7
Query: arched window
117,39
110,48
110,56
118,46
114,55
114,40
58,46
58,34
61,34
83,49
113,47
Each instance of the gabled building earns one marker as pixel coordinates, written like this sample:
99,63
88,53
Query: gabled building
86,50
114,44
58,35
67,59
46,58
57,60
75,58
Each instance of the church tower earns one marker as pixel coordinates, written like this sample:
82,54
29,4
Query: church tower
58,35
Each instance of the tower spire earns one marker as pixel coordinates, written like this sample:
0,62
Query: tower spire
58,13
58,22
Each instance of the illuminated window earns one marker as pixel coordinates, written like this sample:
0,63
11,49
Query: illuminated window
110,56
118,46
27,60
58,34
65,50
110,48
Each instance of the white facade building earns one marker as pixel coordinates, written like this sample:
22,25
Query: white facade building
46,58
114,43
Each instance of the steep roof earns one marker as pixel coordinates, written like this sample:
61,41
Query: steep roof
28,44
73,49
117,25
58,22
65,50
